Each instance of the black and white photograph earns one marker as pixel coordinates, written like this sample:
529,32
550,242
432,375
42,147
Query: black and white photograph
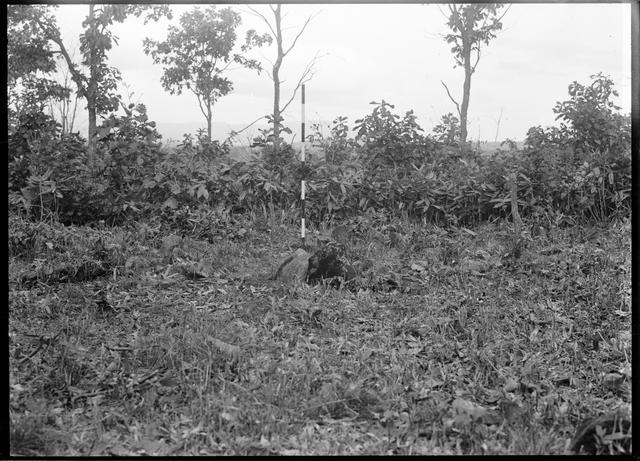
306,228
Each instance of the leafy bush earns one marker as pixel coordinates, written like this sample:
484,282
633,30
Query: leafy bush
561,173
276,159
280,160
48,171
128,146
582,169
594,123
212,150
34,145
388,143
127,149
332,190
185,181
448,130
337,146
44,165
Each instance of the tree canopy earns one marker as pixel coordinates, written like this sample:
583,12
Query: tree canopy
198,52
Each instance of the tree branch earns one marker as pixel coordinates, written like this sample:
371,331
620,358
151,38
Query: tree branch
484,23
125,108
260,15
455,14
199,101
443,13
451,97
306,76
473,68
268,60
505,12
233,134
77,77
222,69
306,23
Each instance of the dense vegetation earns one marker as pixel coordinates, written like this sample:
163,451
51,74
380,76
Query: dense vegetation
572,174
143,319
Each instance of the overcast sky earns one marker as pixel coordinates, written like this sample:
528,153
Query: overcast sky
396,53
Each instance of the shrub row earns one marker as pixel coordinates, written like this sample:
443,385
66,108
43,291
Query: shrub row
390,167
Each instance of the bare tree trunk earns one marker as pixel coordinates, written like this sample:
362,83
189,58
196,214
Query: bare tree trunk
73,114
464,108
466,88
498,125
276,34
209,116
92,130
92,91
276,111
91,107
512,183
64,110
276,81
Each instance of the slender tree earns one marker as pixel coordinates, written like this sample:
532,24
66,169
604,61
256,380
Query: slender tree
472,25
66,108
98,85
198,53
276,33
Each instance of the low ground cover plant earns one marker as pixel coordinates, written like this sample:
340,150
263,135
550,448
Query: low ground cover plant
134,340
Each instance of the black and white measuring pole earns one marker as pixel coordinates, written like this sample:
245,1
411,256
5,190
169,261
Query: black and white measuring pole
302,183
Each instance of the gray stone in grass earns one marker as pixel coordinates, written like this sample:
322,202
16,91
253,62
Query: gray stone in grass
293,269
194,271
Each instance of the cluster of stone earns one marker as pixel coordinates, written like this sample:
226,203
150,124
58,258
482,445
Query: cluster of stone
326,261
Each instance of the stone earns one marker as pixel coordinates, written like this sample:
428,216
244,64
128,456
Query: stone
293,268
329,261
194,271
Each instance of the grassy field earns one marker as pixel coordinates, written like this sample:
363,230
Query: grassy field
131,341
